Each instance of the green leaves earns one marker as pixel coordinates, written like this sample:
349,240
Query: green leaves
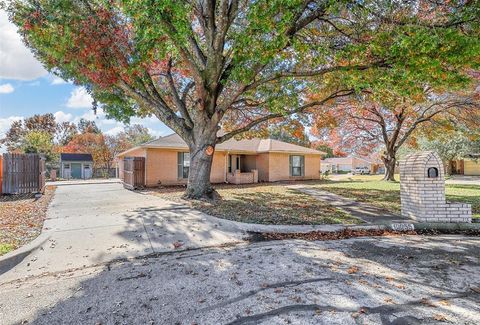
119,49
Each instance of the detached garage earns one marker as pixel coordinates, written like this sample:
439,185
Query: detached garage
76,165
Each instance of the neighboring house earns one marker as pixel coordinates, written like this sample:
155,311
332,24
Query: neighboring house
76,165
238,162
348,164
469,166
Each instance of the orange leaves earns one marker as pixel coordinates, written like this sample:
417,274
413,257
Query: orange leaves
352,270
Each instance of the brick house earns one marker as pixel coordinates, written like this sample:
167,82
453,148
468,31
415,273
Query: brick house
468,166
234,161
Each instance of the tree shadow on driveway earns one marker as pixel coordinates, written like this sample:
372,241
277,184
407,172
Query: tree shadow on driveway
355,281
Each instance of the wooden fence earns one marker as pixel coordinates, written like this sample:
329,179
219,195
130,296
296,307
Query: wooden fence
1,175
134,172
23,173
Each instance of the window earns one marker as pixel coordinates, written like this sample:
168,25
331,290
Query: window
229,163
183,164
238,163
66,166
297,165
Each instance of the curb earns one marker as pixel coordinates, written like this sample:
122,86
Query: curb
10,260
447,226
67,183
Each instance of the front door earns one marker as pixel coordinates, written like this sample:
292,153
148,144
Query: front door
76,170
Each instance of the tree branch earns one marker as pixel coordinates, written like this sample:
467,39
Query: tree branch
340,93
176,97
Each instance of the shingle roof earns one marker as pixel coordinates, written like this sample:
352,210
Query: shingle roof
245,145
76,157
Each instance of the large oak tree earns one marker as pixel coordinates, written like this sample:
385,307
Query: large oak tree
195,64
366,124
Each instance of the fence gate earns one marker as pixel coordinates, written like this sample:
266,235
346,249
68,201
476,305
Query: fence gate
134,172
23,173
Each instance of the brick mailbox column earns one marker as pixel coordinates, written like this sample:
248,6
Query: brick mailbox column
422,191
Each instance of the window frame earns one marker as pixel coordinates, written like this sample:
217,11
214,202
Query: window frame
183,165
299,170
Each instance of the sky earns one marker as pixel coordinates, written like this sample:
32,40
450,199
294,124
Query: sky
26,88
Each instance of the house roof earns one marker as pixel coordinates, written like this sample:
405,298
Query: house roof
76,157
255,145
473,155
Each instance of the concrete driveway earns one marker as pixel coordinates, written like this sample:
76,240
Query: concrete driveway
96,223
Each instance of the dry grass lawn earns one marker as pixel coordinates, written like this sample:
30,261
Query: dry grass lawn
265,204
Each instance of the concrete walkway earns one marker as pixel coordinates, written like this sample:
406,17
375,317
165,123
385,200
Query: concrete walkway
367,213
463,180
96,223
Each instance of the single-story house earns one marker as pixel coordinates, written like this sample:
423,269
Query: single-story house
348,164
167,161
76,165
469,166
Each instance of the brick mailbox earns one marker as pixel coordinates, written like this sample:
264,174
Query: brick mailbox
422,191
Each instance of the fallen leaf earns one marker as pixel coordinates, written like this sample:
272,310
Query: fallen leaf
444,302
177,245
352,270
426,302
440,317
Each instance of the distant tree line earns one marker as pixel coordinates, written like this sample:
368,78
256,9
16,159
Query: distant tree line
42,134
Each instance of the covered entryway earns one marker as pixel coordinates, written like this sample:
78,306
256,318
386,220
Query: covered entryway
242,169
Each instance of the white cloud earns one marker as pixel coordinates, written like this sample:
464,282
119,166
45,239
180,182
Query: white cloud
17,62
114,131
58,81
6,89
79,98
61,117
158,133
6,122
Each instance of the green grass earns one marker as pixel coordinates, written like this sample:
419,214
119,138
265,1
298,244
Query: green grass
268,204
386,195
5,248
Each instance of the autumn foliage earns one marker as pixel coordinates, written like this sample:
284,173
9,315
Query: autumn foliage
202,65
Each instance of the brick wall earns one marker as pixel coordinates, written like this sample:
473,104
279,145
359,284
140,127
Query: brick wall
422,197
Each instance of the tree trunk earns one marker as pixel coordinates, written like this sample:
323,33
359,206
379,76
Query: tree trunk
199,186
449,169
389,161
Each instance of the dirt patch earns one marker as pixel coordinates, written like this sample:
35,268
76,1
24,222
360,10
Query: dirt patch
22,218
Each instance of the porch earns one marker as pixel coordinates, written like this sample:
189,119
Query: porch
241,169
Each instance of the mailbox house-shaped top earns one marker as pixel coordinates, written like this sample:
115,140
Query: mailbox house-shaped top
423,166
